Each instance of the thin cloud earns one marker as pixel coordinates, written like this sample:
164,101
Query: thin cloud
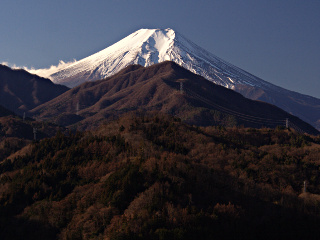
42,72
47,72
10,65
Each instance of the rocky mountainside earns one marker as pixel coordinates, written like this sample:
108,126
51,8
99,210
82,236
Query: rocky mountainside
165,87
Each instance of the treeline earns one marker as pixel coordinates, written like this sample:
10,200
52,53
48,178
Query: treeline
149,176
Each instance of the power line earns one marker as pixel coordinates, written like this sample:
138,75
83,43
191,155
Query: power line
245,117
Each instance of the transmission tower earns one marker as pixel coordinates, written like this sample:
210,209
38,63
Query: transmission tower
35,134
78,107
181,87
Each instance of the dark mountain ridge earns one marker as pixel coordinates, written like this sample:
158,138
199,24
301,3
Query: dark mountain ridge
157,87
21,91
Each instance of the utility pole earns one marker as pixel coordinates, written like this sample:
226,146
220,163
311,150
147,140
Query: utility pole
304,187
181,87
287,122
35,134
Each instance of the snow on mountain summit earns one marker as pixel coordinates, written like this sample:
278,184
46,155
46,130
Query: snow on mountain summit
144,47
147,47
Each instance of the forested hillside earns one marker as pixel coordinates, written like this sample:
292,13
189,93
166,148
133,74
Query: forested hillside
150,176
16,133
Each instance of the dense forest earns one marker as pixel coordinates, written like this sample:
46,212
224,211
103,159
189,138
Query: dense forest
150,176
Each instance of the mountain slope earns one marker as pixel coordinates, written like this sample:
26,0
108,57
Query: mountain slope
158,88
21,91
150,46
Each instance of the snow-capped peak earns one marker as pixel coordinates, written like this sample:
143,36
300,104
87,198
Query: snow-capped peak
147,47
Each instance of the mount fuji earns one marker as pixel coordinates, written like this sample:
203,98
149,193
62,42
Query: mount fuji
147,47
150,46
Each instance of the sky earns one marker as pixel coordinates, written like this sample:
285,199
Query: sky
278,41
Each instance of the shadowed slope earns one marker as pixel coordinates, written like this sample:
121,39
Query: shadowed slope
21,91
305,107
5,112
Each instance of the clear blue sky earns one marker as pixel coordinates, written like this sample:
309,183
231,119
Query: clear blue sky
276,40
